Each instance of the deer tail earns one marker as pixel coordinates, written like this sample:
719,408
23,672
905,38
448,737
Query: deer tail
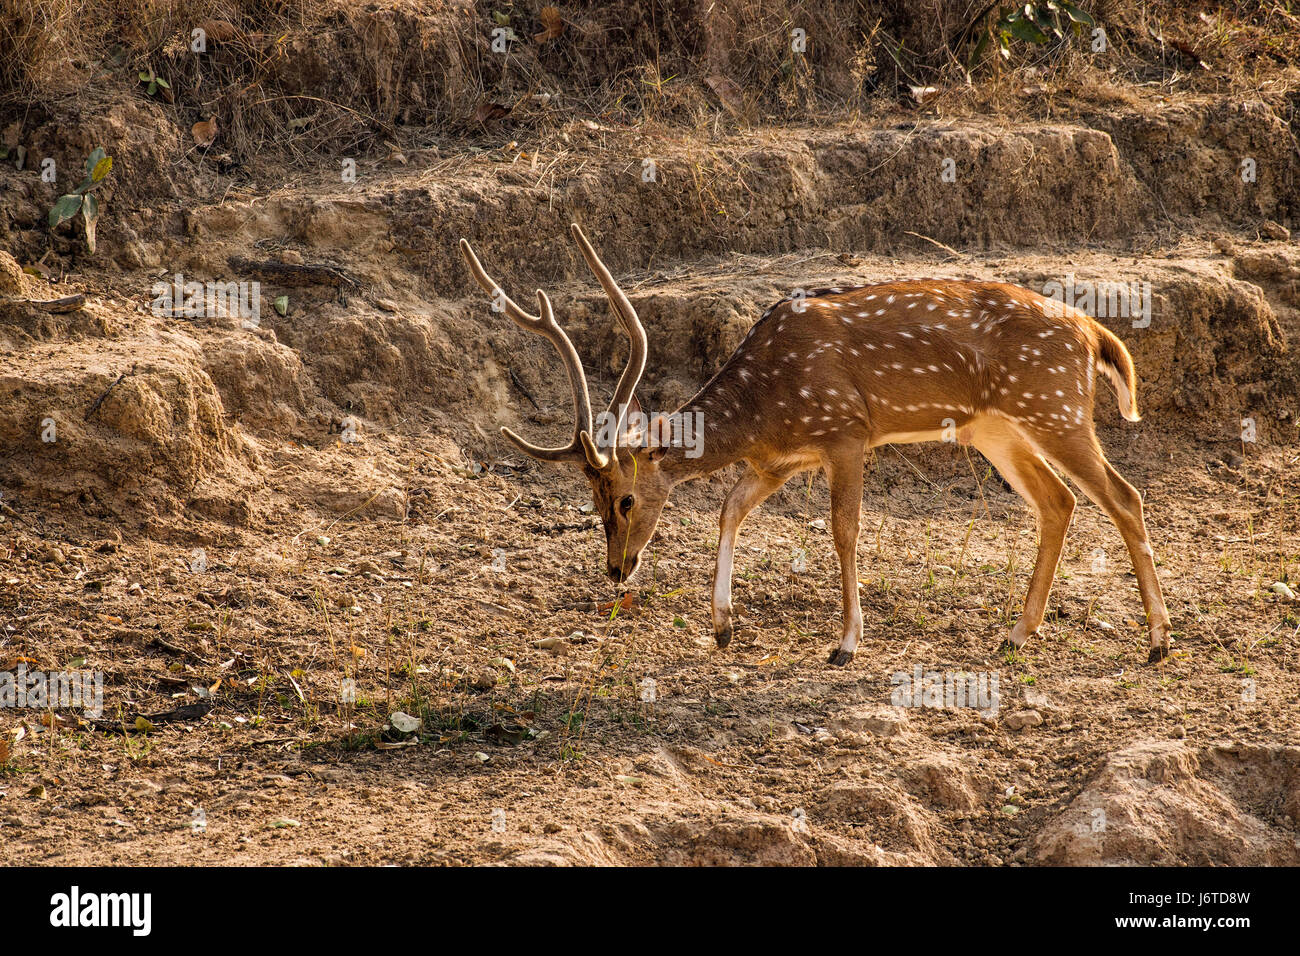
1115,361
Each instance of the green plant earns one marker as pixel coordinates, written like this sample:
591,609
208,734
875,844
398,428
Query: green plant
1036,23
98,165
156,83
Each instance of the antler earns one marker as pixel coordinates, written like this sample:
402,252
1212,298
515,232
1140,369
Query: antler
580,447
627,317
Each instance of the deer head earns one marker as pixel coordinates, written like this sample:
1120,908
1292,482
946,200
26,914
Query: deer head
628,484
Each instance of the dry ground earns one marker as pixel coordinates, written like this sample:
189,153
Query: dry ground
263,596
380,561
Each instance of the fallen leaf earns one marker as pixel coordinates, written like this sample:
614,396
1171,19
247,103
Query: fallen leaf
487,112
628,603
727,91
404,723
219,30
552,25
205,133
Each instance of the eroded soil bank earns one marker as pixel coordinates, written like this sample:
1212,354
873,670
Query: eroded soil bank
295,527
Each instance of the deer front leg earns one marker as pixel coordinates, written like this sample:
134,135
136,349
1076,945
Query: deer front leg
753,487
845,474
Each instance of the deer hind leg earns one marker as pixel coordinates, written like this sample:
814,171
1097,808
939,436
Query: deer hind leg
1035,481
748,493
845,473
1085,463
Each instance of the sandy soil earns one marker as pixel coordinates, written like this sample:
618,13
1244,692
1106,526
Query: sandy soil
272,540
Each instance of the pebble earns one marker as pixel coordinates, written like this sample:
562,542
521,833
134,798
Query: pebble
1022,719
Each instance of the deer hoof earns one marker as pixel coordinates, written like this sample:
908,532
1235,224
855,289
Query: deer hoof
840,657
723,637
1008,646
1157,655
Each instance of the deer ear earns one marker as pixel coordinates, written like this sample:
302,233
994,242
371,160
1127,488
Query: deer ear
660,437
634,405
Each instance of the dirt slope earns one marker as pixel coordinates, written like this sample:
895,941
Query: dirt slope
297,526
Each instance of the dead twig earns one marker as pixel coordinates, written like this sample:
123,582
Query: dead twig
100,401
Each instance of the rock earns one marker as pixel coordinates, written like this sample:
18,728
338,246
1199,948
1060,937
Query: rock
1274,231
1022,719
881,721
1165,802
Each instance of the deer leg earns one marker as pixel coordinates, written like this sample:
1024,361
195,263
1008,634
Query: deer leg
1085,463
845,473
1053,503
753,487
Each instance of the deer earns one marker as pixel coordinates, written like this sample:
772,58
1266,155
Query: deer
823,377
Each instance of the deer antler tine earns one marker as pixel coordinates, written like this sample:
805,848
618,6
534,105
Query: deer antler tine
598,460
489,286
627,317
572,366
545,326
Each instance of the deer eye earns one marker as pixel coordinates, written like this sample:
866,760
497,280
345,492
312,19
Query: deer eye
626,504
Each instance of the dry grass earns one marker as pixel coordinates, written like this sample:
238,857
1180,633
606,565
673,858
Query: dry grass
308,76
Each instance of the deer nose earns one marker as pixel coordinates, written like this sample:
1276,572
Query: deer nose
615,572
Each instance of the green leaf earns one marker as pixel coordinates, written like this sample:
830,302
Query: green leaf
282,305
145,76
1078,16
90,211
101,169
95,156
502,19
67,207
153,87
1024,29
163,83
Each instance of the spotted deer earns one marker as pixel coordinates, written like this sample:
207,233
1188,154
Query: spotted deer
822,377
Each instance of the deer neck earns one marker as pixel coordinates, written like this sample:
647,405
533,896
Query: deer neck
716,432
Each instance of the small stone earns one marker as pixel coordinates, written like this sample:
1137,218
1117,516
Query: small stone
1022,719
1274,231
